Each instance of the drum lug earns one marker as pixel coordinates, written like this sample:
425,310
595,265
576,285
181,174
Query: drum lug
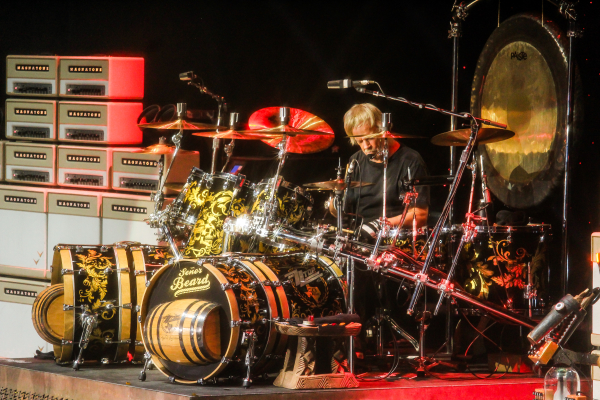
139,319
78,249
137,308
147,283
139,343
226,286
127,306
138,272
67,307
254,284
239,322
66,272
103,249
66,342
200,262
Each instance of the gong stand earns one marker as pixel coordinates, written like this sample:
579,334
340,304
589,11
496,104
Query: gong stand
566,8
466,154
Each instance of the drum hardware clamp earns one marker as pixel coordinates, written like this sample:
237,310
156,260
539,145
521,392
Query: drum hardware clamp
226,286
109,270
89,322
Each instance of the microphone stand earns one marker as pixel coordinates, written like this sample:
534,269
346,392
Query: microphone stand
466,154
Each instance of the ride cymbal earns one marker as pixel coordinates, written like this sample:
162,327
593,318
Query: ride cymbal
388,134
306,133
460,137
233,134
336,184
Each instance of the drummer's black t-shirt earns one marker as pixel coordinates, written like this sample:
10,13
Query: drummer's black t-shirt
371,197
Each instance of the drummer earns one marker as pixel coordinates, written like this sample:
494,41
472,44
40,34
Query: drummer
365,119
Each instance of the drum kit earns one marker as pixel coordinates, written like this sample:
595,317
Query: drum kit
243,256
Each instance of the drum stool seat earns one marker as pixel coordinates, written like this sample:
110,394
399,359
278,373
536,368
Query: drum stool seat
302,363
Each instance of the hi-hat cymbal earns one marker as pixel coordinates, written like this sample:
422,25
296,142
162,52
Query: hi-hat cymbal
460,137
388,134
306,133
336,184
181,124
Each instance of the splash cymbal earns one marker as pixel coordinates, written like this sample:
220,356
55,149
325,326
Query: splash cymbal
336,184
306,132
181,124
460,137
177,186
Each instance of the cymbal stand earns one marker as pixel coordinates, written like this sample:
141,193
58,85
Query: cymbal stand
271,206
192,79
446,286
158,219
386,122
233,120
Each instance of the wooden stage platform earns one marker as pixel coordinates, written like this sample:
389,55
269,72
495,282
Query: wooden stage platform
35,379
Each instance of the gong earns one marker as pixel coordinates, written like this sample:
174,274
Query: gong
521,80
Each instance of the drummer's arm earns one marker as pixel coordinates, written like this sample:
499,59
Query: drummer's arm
421,214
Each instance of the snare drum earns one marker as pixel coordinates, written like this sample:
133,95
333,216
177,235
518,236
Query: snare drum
195,312
222,195
417,248
498,260
294,204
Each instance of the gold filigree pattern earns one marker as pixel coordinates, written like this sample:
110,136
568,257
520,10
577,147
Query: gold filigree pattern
248,299
288,207
207,236
96,281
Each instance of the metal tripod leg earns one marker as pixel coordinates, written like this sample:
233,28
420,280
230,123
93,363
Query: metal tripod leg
147,365
90,321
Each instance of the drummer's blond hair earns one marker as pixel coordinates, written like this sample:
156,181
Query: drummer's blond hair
361,114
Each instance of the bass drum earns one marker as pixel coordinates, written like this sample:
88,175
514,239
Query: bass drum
498,263
46,314
195,313
95,277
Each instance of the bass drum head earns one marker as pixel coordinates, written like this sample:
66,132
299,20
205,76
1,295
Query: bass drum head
183,280
521,80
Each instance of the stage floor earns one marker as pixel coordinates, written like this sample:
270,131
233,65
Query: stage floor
44,378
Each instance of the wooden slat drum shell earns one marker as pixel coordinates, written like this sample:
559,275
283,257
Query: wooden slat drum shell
47,314
185,331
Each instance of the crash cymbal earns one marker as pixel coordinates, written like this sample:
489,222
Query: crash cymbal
233,134
388,134
177,186
181,124
460,137
306,132
161,148
336,184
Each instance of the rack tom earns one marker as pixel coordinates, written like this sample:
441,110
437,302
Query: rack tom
222,195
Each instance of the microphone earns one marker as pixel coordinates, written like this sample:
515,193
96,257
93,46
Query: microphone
347,83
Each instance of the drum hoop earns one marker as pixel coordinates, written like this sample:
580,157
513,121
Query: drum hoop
272,337
125,297
66,350
513,229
